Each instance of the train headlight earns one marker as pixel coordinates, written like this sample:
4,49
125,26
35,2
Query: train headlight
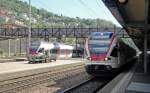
89,58
106,59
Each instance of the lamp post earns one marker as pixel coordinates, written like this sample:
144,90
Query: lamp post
29,33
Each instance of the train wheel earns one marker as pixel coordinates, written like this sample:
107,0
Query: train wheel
30,62
45,61
88,70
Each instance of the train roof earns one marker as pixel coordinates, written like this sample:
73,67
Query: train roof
52,45
57,46
102,32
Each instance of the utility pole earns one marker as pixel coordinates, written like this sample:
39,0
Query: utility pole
29,33
9,47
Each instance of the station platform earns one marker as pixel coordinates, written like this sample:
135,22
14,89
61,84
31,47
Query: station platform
131,81
9,67
9,70
12,59
140,81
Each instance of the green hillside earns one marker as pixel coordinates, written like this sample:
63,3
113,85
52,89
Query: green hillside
43,18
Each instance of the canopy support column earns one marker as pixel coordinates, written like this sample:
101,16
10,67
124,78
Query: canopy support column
145,51
145,34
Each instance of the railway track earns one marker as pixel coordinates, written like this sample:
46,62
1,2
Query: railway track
95,84
91,85
18,84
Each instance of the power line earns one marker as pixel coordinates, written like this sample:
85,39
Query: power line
40,2
107,15
85,5
82,2
101,8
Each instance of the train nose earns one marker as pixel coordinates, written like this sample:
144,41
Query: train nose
108,67
96,68
102,67
88,58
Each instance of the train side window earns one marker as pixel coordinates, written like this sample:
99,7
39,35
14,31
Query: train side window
53,51
114,52
63,51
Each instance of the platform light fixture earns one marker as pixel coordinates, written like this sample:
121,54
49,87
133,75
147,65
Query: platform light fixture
122,1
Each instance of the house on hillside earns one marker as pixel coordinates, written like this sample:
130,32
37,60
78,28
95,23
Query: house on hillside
33,20
23,15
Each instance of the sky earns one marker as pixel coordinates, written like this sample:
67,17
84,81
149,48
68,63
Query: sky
76,8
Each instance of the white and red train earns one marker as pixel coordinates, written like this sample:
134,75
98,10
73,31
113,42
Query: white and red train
107,51
46,51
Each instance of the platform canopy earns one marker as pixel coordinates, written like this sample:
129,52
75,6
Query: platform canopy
132,15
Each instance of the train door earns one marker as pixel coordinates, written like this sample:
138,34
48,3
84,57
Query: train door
53,54
118,53
115,55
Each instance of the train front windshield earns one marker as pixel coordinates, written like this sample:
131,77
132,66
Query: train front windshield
33,50
98,49
34,47
99,44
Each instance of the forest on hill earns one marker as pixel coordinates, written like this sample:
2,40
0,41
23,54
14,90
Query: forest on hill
18,10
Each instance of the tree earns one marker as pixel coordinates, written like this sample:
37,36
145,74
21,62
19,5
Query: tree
2,20
52,19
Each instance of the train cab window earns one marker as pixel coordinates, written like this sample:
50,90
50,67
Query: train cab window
41,50
101,35
114,52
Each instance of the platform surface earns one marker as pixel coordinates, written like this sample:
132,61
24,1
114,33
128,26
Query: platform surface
140,82
9,67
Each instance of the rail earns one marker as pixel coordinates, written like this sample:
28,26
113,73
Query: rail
91,85
23,83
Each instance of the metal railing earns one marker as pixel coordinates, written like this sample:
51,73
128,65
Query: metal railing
51,32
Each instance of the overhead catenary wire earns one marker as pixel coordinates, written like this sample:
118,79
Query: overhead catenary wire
43,4
86,6
80,1
97,2
102,8
90,10
46,8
